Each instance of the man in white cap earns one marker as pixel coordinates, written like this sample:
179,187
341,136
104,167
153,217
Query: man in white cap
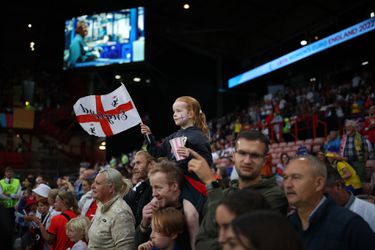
354,148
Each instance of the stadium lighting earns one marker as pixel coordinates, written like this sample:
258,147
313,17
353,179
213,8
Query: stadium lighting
136,79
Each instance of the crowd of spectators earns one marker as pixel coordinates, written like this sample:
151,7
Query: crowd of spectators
136,201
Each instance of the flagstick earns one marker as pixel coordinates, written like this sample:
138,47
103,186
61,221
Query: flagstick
146,135
148,138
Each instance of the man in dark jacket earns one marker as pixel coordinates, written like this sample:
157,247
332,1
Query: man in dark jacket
141,194
251,148
320,222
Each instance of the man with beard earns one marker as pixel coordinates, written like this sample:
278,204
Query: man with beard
319,221
251,148
141,194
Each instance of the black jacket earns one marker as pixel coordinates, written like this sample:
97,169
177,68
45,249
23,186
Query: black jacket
138,199
196,140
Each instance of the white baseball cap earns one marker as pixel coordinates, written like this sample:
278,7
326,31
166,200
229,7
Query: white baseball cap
42,190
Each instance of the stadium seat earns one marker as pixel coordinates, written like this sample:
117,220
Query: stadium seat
319,140
294,148
278,150
299,142
316,148
370,167
275,161
370,164
288,148
309,141
291,153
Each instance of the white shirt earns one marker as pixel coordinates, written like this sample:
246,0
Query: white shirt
79,245
365,209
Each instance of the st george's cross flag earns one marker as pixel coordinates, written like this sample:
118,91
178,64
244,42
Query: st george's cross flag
106,115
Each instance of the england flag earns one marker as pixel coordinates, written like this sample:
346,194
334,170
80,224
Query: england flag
106,115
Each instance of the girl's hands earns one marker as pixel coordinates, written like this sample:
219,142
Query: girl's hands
183,152
145,130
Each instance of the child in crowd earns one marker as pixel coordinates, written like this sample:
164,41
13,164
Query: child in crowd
280,168
76,230
28,213
347,172
23,211
187,114
166,225
44,215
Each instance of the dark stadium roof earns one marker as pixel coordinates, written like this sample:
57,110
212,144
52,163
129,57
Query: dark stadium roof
241,33
189,52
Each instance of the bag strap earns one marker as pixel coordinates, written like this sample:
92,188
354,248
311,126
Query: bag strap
66,216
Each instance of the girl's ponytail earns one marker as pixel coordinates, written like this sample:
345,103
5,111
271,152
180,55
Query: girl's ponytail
199,117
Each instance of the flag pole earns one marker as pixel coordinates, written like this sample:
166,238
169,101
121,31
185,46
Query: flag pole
148,138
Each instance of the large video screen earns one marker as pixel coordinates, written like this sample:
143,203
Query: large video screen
114,37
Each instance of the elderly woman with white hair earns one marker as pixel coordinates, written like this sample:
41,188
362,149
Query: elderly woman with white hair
113,226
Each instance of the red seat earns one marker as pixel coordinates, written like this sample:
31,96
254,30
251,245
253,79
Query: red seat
370,164
316,148
309,141
288,148
300,142
291,154
294,148
275,161
278,150
319,140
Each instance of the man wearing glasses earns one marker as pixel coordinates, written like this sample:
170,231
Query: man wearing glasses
251,148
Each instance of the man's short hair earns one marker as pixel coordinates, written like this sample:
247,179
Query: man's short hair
319,167
245,201
168,221
333,177
114,177
149,158
253,135
170,169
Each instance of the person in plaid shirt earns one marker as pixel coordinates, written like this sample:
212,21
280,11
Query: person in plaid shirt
354,148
